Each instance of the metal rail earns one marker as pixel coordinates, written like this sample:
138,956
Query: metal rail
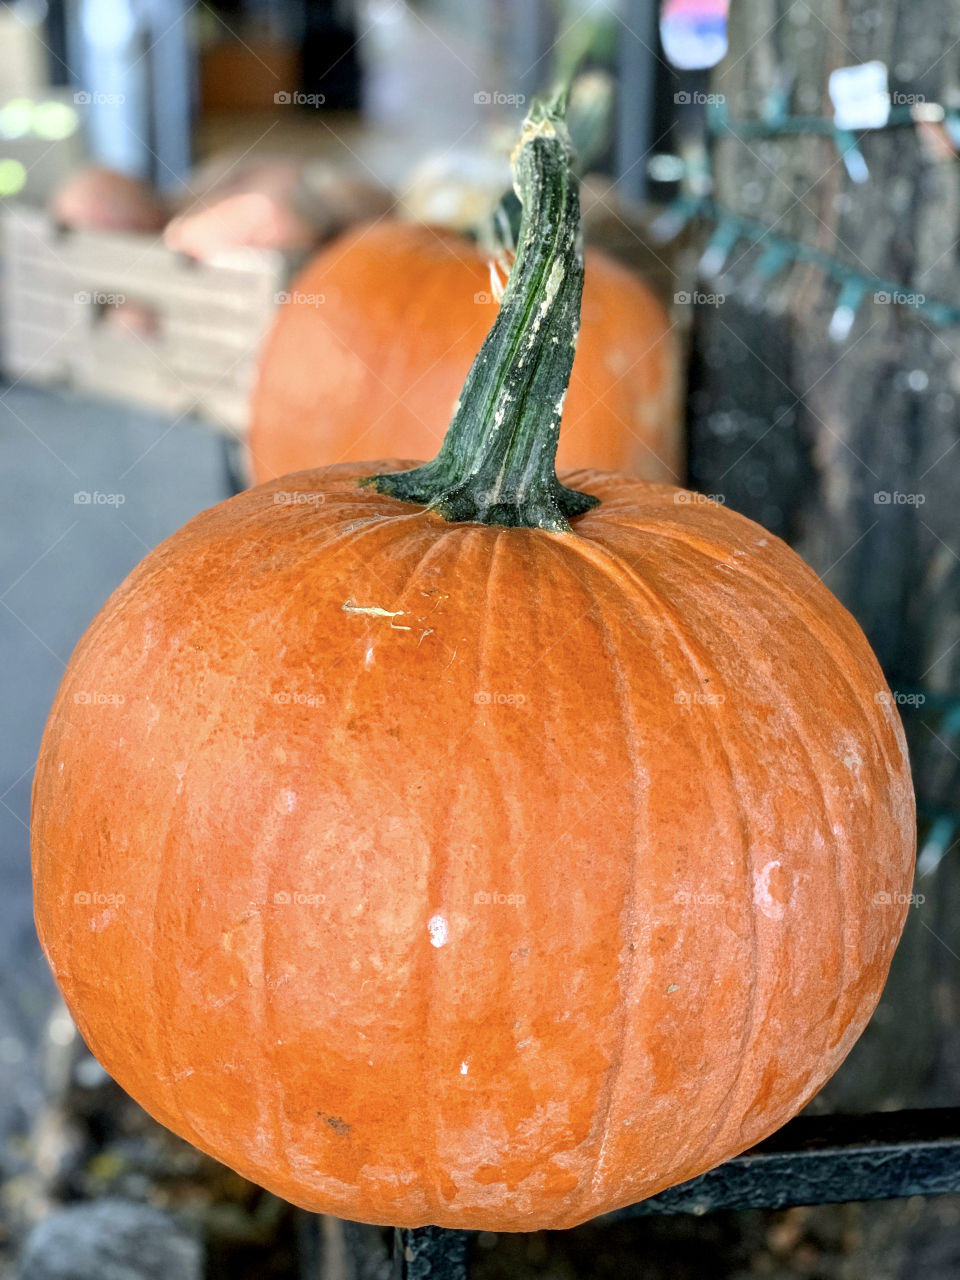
811,1160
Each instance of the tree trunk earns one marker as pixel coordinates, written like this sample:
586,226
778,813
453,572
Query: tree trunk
808,434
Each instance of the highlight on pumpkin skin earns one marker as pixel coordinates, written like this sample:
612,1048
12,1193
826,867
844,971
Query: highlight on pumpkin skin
497,463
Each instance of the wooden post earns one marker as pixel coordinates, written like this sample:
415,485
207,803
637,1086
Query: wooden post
850,449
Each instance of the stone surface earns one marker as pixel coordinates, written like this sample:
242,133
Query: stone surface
110,1240
59,560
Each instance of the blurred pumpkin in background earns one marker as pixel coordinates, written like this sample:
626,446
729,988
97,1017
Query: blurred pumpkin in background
100,199
270,202
367,356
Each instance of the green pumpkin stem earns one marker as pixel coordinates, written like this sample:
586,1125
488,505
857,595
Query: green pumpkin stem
497,463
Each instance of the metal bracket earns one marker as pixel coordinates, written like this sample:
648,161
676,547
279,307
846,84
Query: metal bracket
811,1160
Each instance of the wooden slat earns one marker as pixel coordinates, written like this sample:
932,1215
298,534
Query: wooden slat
211,318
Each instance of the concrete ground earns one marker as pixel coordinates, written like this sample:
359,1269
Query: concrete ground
59,560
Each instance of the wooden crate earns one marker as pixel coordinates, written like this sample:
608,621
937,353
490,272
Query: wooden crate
210,320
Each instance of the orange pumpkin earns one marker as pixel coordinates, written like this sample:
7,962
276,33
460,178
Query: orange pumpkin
457,845
99,199
270,202
367,356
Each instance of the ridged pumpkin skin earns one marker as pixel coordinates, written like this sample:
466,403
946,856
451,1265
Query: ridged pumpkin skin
375,369
345,721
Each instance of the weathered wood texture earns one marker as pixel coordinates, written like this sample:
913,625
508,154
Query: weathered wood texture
59,287
802,432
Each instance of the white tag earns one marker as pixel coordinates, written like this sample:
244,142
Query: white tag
860,97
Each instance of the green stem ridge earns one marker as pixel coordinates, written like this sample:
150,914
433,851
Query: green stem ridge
497,463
